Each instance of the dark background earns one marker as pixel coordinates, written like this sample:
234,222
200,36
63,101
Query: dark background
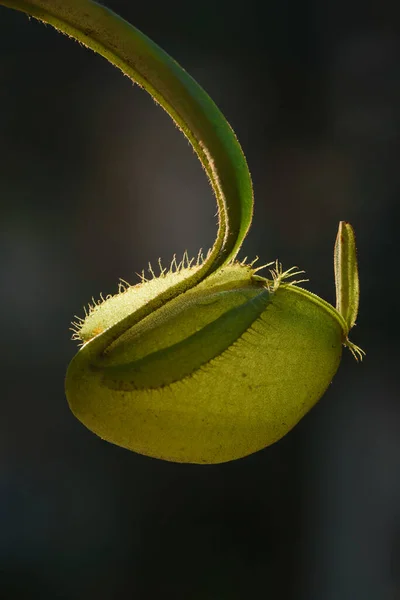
95,182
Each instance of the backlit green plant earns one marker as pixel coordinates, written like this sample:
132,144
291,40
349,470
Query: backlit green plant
207,361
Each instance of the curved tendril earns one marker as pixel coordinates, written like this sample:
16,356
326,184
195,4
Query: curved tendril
184,100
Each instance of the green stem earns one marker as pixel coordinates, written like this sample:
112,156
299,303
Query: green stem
346,274
184,100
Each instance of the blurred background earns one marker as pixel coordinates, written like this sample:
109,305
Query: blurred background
95,182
